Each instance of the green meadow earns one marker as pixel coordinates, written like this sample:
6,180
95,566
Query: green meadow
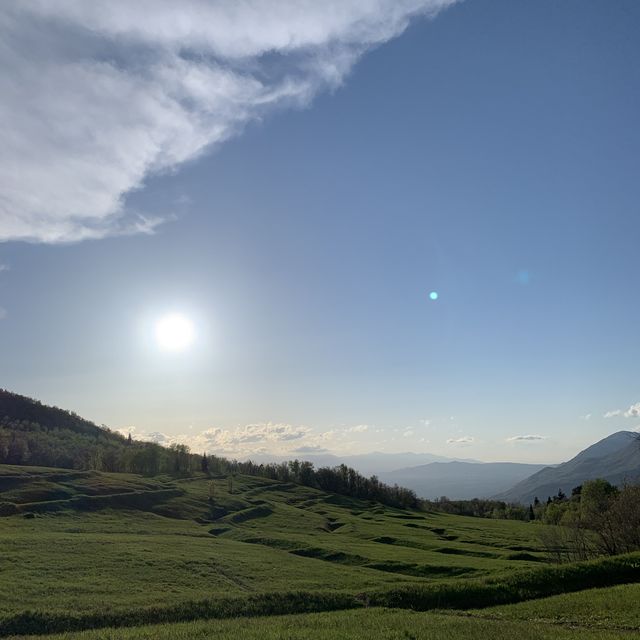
200,558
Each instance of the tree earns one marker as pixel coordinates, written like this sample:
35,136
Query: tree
204,463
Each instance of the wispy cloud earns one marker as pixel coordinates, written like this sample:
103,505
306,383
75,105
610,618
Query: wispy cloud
310,449
463,440
97,96
632,412
359,428
3,313
526,438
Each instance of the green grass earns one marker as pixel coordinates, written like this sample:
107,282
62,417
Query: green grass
347,625
610,607
89,549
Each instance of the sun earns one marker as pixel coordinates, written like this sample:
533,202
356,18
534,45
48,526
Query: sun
174,332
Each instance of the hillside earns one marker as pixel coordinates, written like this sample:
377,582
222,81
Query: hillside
461,480
86,549
169,542
17,408
49,436
40,435
615,458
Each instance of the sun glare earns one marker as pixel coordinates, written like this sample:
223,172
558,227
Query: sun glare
174,332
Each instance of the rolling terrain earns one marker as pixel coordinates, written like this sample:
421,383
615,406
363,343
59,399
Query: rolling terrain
87,549
171,552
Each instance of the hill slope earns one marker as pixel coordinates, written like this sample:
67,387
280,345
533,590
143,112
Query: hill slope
36,434
615,458
86,549
461,480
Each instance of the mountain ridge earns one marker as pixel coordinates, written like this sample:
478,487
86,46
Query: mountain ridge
615,458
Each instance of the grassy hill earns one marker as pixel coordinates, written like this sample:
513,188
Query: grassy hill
267,554
85,549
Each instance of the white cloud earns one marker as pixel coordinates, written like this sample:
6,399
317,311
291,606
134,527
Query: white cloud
97,96
586,417
4,267
408,433
461,440
633,411
359,428
251,438
526,438
3,313
240,441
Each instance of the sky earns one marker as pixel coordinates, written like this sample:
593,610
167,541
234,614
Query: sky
295,179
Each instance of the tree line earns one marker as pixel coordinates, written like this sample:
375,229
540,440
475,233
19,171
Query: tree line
479,508
340,479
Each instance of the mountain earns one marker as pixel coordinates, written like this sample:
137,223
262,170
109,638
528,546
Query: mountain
460,480
375,463
616,458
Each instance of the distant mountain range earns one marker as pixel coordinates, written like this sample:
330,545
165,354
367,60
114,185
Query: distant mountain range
368,464
616,458
461,480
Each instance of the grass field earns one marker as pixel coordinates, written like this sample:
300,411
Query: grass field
88,549
612,607
389,624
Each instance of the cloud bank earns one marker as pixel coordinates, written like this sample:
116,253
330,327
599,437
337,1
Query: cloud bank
98,96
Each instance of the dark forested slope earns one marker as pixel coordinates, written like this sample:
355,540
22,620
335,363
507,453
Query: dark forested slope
35,434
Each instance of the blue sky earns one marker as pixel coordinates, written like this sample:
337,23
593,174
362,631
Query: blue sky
302,201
